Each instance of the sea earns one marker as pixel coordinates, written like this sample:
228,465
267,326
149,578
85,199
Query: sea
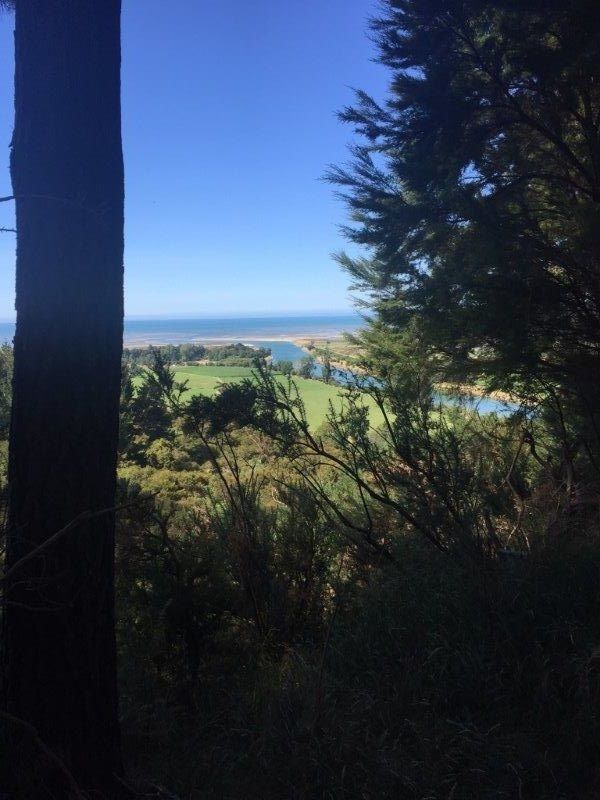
276,333
175,331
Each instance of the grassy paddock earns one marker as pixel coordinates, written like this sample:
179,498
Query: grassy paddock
316,395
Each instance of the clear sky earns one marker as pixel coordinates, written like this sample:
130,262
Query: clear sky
228,125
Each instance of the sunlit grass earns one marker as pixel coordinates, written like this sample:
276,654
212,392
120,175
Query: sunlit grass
316,395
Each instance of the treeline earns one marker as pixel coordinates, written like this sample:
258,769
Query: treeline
309,367
235,355
306,367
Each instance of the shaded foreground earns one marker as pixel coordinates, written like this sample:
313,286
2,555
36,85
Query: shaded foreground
270,647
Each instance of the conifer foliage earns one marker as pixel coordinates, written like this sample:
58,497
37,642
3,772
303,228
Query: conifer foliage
476,186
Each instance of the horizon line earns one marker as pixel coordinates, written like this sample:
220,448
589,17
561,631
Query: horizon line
228,315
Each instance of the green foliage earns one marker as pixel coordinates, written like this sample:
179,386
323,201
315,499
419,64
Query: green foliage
236,354
171,353
232,403
327,369
364,592
474,191
405,608
285,367
428,465
306,367
208,380
260,656
148,409
6,368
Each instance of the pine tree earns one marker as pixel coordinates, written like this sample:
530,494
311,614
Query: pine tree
475,187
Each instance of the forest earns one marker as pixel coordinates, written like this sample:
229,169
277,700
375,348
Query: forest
212,595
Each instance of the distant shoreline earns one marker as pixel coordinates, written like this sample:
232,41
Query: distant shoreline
292,338
222,330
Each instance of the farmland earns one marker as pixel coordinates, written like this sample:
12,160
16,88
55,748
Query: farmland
316,395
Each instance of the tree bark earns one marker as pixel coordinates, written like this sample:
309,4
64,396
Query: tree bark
58,645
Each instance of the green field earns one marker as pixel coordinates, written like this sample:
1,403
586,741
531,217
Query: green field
316,395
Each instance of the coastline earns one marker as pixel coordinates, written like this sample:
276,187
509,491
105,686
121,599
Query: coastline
209,340
318,339
283,329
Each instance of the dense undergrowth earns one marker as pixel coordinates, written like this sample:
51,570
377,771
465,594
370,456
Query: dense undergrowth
355,612
275,645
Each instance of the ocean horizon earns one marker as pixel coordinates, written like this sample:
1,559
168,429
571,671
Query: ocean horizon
277,333
157,331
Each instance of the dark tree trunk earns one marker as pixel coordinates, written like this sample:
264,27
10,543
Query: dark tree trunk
59,670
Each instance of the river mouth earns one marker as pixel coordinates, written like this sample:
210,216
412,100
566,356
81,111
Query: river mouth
289,351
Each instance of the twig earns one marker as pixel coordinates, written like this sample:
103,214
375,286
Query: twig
54,759
25,607
84,517
319,687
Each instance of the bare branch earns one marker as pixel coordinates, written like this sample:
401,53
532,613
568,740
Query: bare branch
84,517
51,756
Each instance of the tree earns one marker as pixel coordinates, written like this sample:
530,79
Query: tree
285,367
148,409
476,189
59,661
327,369
306,367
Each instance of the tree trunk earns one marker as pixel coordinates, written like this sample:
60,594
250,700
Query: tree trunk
58,646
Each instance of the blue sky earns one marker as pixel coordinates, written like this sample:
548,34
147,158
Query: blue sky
228,125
